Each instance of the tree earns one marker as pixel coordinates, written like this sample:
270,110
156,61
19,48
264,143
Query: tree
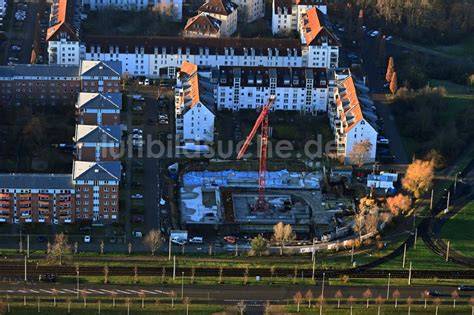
187,301
437,302
367,295
259,245
419,177
153,240
172,296
471,302
351,301
359,224
338,296
297,298
106,274
425,294
114,295
309,297
396,296
360,152
59,249
360,23
455,296
409,303
84,294
398,204
379,300
321,301
282,234
142,296
241,306
372,223
390,70
393,83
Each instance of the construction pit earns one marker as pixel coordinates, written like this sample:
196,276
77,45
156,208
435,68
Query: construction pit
226,200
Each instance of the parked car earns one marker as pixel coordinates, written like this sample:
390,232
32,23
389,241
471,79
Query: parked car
48,277
466,288
138,97
434,293
382,140
230,239
196,240
178,240
87,239
85,228
136,218
137,234
136,196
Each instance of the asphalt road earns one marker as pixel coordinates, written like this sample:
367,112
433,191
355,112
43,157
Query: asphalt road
375,83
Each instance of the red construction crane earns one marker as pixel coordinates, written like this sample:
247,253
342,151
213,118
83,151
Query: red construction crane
262,121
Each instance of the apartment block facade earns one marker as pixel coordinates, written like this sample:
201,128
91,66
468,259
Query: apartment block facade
286,14
98,109
56,84
296,89
43,198
97,143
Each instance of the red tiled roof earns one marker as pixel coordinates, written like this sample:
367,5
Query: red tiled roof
64,9
222,7
203,24
314,26
354,110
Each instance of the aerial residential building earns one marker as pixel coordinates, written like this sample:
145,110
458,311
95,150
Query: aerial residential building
36,198
56,84
250,10
63,34
98,109
171,8
203,25
322,45
156,57
101,77
286,14
195,108
296,89
348,119
97,143
96,190
225,11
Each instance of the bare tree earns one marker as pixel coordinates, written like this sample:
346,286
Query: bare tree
425,294
437,302
309,297
321,302
193,273
129,248
102,245
142,296
59,249
455,296
409,303
399,204
418,177
114,295
372,223
172,296
54,293
367,295
338,296
221,271
186,302
106,274
272,274
396,296
297,298
282,234
163,274
351,301
84,294
359,224
360,153
128,302
379,300
153,240
241,306
135,274
246,275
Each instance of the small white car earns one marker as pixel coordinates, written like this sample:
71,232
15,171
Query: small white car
136,196
196,240
87,239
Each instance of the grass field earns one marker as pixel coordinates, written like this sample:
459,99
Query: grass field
466,48
360,309
458,230
458,97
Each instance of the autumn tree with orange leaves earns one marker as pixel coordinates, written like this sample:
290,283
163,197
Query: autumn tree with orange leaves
360,152
419,177
394,83
399,204
390,69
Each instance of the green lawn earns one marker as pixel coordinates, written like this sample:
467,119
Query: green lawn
360,309
458,230
466,48
458,97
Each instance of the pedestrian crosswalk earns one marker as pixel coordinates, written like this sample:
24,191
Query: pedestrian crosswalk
89,291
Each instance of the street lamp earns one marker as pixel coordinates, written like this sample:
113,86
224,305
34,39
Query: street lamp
447,201
77,281
456,181
182,284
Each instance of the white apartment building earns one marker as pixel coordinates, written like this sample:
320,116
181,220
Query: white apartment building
286,14
63,35
223,10
156,57
173,8
194,106
321,47
250,10
296,89
3,10
347,117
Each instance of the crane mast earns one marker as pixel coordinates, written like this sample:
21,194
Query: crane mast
262,122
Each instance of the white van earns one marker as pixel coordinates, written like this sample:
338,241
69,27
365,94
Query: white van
196,240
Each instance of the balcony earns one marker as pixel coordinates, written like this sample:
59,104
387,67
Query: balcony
4,196
43,197
43,204
25,197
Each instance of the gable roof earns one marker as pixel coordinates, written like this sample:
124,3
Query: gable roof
197,89
61,20
315,25
97,134
348,104
99,101
222,7
82,170
100,68
39,70
204,24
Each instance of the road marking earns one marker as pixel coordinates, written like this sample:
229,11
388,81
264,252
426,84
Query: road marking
120,291
132,291
108,291
69,291
34,291
95,291
44,290
162,292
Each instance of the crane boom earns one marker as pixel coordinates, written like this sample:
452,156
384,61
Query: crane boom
262,121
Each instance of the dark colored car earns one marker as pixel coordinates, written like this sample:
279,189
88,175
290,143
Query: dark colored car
434,293
41,239
466,288
48,277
